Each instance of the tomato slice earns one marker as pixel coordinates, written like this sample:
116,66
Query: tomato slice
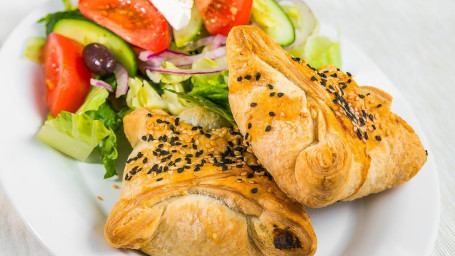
136,21
221,15
67,77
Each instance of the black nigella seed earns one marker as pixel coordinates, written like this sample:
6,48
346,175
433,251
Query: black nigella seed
180,170
323,82
313,78
247,77
426,152
253,104
359,134
268,128
159,121
144,138
379,105
176,121
271,114
250,175
361,96
349,74
349,81
378,138
247,135
371,117
207,135
374,127
258,76
365,134
296,59
249,125
159,179
132,172
364,113
139,155
270,86
280,94
149,115
272,94
150,137
239,79
254,190
144,160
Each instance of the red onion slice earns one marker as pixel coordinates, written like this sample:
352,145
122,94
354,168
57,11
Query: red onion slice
166,54
188,60
214,41
121,75
99,83
186,71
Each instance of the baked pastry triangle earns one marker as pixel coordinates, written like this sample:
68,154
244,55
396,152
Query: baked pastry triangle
321,136
193,191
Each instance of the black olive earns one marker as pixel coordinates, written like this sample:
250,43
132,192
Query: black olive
99,59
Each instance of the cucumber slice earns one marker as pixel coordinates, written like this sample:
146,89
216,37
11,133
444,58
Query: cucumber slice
86,32
271,18
187,34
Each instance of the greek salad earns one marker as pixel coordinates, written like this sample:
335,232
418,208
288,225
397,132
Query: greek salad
104,58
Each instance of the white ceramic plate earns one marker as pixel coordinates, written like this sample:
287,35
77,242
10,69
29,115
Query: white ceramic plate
57,197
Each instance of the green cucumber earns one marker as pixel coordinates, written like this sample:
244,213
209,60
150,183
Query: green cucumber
271,18
187,34
86,32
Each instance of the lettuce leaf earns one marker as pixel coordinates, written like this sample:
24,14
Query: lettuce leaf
321,50
211,87
108,146
142,94
34,49
109,153
201,102
74,135
175,105
167,78
95,98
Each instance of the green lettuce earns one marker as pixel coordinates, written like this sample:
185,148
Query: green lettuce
34,48
142,94
167,78
109,153
175,105
74,135
95,98
108,146
201,102
321,50
211,87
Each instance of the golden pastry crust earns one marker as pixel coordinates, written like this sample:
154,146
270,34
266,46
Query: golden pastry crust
321,136
188,191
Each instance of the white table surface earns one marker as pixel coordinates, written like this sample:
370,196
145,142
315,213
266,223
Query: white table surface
412,41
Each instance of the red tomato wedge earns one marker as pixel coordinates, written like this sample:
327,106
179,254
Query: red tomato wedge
136,21
221,15
67,77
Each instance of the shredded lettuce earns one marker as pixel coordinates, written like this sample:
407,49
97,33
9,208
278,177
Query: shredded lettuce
74,135
321,50
211,87
109,153
95,98
142,94
201,102
167,78
34,48
108,146
175,105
